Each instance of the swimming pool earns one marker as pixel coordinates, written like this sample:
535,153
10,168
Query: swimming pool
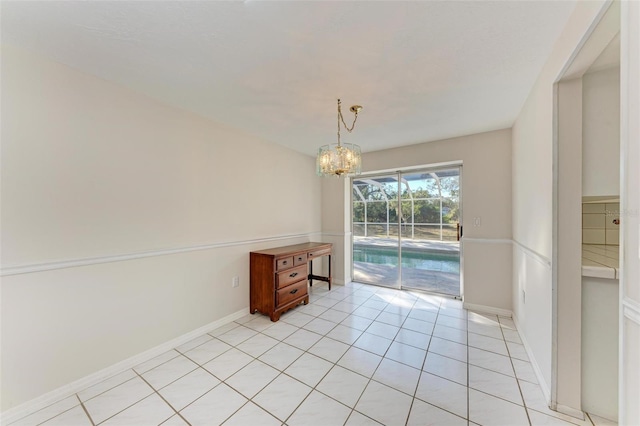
424,260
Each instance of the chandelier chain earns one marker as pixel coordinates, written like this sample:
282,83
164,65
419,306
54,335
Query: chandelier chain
341,118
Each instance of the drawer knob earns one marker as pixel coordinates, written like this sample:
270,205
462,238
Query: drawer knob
293,291
284,263
293,275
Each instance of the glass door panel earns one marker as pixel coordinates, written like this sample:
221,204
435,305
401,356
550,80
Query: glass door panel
429,247
375,230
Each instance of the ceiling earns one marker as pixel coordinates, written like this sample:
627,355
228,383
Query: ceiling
422,70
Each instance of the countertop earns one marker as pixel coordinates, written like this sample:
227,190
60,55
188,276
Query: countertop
600,261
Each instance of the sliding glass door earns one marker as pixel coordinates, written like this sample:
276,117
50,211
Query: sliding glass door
406,230
375,222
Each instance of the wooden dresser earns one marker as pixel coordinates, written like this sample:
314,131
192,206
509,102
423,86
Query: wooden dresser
279,277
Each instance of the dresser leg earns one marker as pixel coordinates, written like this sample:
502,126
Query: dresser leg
275,316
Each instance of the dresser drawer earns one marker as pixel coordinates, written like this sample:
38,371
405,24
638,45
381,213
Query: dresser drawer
319,253
292,292
300,259
284,263
289,276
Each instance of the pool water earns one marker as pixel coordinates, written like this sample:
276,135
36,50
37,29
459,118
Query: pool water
425,260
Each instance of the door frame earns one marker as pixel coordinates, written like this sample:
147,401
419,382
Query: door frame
398,172
629,270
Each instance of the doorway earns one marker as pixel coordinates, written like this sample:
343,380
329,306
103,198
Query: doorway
406,230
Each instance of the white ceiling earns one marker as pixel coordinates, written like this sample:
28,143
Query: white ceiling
422,70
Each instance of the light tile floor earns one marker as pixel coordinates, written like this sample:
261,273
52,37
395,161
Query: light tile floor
356,355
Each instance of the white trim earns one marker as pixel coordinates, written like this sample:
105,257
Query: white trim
631,310
545,261
583,40
600,272
629,109
555,200
487,309
65,391
436,166
487,240
553,396
336,233
570,411
74,263
546,391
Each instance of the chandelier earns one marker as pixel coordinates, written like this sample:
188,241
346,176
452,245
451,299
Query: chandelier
339,159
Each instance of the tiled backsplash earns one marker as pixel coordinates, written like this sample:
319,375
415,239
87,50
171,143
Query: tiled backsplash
597,223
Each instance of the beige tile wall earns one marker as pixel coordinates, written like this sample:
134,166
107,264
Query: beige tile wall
597,223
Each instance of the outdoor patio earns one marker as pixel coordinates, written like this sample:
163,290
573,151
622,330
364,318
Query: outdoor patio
435,280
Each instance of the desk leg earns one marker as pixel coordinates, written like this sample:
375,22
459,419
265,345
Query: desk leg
326,279
329,281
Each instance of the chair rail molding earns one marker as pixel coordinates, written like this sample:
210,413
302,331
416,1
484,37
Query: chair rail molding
73,263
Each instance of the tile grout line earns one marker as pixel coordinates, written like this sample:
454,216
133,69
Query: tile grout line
53,416
131,405
325,375
165,401
424,361
280,372
283,372
524,404
351,346
227,384
370,378
355,372
382,357
85,410
221,381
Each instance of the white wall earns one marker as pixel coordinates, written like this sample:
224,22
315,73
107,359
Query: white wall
601,132
335,230
486,189
600,299
533,198
92,170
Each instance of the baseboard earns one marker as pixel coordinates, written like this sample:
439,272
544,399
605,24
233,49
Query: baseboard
570,411
487,309
546,391
65,391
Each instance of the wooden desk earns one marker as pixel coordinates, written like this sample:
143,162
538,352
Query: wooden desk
279,277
